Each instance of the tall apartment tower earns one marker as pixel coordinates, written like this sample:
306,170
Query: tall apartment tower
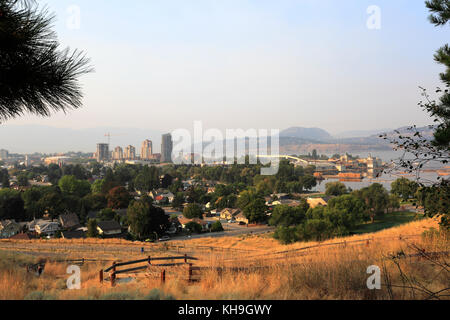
166,148
118,153
147,150
4,154
130,153
102,152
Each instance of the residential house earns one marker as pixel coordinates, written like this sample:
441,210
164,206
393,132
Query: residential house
229,213
31,226
184,221
109,228
76,234
48,228
162,196
315,202
9,228
281,196
69,221
240,217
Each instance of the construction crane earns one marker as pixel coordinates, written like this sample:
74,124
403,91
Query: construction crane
109,138
109,135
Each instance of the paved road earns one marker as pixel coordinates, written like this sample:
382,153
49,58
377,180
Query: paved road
230,231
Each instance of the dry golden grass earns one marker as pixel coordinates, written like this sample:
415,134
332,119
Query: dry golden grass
269,270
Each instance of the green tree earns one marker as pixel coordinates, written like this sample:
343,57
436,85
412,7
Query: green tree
106,214
419,149
286,235
286,216
376,199
22,179
92,231
52,202
145,219
72,186
97,186
11,205
355,210
394,202
31,198
255,211
35,76
193,227
5,181
195,194
440,16
192,211
217,227
147,179
54,173
178,200
246,197
335,189
95,202
404,188
308,181
118,198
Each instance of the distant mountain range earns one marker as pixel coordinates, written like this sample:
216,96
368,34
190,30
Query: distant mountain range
299,140
316,134
295,140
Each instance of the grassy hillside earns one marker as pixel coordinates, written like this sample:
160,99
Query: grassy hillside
335,269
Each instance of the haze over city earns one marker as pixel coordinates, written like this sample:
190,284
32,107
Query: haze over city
160,66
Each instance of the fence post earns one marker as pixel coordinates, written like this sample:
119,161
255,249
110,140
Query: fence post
185,258
149,260
367,243
190,272
113,279
163,276
101,276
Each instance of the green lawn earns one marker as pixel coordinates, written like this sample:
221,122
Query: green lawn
388,221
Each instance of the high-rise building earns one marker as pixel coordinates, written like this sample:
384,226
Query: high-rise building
146,150
4,154
130,153
166,148
102,153
118,153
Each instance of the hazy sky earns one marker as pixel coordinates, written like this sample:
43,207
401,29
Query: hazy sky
161,64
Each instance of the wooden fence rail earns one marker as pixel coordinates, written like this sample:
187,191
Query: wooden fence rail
149,260
114,272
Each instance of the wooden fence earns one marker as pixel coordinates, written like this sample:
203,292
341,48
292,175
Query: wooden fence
113,269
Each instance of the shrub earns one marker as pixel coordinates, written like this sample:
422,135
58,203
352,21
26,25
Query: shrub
118,296
39,295
156,294
217,227
192,211
194,227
